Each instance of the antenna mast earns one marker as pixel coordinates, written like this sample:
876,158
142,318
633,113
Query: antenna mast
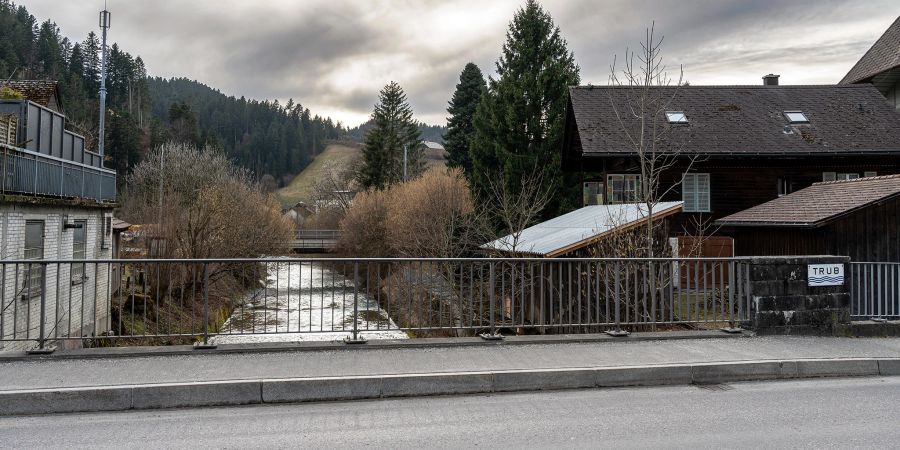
104,25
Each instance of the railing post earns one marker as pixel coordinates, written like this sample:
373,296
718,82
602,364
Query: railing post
618,332
3,167
734,281
355,339
205,345
42,336
492,335
34,185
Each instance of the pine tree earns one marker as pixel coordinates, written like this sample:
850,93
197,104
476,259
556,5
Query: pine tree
519,122
91,50
383,149
460,129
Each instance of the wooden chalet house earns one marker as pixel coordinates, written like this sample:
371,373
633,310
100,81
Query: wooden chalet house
736,146
880,66
56,203
858,218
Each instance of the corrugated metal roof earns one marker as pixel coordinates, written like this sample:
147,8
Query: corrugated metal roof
433,145
582,226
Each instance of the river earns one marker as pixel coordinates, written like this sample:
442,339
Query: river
305,302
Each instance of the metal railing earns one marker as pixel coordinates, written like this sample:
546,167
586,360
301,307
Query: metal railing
26,172
875,290
318,234
315,239
122,302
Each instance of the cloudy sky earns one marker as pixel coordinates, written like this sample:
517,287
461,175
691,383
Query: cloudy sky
334,55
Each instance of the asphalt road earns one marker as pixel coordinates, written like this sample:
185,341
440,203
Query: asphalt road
844,413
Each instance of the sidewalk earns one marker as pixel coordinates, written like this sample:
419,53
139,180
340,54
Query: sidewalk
60,384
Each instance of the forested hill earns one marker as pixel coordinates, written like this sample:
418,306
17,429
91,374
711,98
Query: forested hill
142,112
434,133
267,137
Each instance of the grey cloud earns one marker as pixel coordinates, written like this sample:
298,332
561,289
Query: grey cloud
301,50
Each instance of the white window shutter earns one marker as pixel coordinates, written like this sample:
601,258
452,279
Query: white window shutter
689,192
829,176
703,192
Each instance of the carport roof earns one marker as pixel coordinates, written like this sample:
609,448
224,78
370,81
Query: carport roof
579,228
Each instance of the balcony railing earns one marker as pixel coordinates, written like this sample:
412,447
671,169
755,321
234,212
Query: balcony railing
26,172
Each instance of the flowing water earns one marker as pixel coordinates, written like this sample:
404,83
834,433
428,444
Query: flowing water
306,302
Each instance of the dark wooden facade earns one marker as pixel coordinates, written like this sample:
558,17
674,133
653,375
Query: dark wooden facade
738,182
871,234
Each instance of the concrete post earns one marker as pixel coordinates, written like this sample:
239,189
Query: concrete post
783,302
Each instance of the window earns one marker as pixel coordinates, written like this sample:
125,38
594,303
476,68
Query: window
832,176
676,117
623,188
796,117
106,231
870,174
79,250
33,279
695,192
785,186
592,193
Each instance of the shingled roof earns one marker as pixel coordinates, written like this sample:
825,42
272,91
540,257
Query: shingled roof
740,120
818,204
38,91
883,56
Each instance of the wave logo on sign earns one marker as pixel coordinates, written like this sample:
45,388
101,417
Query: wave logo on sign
825,275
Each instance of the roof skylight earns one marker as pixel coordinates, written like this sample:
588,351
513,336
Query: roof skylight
676,117
796,117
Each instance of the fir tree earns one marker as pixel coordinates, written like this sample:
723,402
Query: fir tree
519,122
383,149
460,129
91,50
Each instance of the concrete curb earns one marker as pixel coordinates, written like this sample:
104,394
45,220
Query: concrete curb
295,390
276,347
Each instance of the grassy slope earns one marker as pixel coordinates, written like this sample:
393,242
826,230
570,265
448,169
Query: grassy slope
300,187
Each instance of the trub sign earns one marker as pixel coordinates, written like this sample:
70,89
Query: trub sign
826,275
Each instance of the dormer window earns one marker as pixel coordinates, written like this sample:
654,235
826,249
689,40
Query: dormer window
796,117
676,117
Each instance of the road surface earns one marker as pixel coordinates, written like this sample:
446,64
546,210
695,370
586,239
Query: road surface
836,413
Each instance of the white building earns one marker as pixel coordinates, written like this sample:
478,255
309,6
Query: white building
56,203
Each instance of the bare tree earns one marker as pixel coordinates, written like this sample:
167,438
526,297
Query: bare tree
218,211
516,210
336,185
267,184
647,93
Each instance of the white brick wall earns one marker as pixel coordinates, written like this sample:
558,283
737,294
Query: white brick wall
71,309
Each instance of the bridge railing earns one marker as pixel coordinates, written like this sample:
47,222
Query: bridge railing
318,234
211,301
875,290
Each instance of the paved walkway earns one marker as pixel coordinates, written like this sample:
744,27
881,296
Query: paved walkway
54,372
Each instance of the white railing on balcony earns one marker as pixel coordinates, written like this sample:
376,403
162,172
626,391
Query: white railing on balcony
26,172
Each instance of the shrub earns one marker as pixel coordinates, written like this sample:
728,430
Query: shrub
364,226
8,93
431,216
